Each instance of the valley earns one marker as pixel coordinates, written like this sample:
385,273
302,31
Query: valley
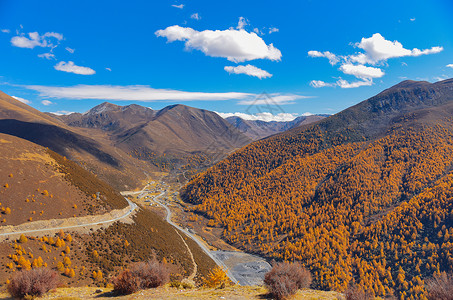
360,198
242,268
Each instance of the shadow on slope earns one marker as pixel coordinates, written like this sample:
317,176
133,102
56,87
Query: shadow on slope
55,138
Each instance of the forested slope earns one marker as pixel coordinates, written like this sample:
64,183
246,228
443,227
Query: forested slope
363,196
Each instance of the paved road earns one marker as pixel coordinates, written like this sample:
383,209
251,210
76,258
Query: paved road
132,207
194,238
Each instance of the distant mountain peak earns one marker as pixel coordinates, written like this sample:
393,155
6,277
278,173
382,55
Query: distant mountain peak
103,107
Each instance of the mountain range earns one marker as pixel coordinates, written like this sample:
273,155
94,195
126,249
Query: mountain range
258,129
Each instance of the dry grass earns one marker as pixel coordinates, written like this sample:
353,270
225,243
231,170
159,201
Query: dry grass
169,293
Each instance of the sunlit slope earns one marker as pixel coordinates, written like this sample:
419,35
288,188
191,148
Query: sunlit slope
364,195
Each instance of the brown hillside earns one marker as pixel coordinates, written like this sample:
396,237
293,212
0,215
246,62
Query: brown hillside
39,184
90,149
364,195
177,136
33,188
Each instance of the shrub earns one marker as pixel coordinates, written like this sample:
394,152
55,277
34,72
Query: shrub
216,278
23,239
33,282
440,287
141,276
355,292
286,278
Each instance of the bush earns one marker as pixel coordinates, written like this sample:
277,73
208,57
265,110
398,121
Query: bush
141,276
440,287
216,278
32,282
286,278
354,292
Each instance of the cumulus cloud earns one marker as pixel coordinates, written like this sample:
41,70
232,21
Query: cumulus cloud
180,6
5,30
48,56
195,16
70,50
22,100
70,67
333,59
248,70
108,69
234,45
46,102
348,85
449,66
376,51
361,71
264,116
412,19
34,39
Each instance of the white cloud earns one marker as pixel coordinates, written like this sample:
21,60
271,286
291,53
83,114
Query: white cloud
342,83
180,6
333,59
62,112
272,99
195,16
70,67
349,85
412,19
70,50
34,39
265,116
378,49
22,100
234,45
449,66
146,93
248,70
5,30
242,23
273,29
361,71
320,84
440,78
131,92
108,69
46,102
48,56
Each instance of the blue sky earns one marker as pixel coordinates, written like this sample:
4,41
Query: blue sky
308,56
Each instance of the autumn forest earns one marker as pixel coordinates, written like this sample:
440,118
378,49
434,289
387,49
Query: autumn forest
355,203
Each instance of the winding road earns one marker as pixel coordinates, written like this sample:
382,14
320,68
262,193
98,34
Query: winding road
193,237
132,207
